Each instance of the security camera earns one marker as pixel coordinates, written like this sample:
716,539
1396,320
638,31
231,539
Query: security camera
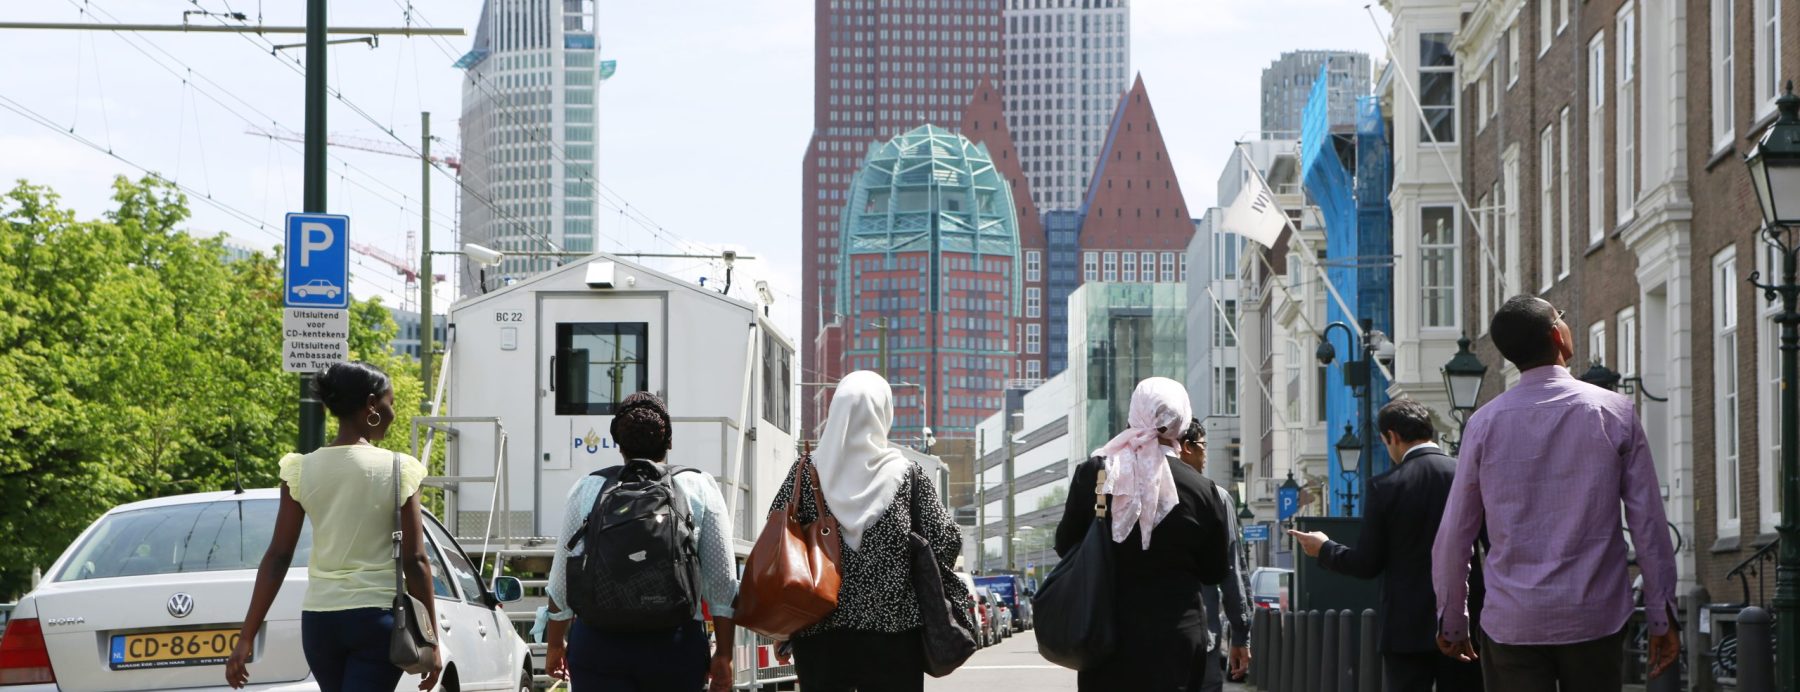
481,255
762,292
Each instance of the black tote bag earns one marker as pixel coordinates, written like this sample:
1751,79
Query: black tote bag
1074,609
947,643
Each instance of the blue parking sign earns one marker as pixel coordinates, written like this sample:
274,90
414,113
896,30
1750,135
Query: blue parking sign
1287,502
318,261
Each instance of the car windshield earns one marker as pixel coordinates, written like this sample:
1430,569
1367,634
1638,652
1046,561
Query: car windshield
193,537
1267,584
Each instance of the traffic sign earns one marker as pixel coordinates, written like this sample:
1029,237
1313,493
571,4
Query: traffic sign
1256,533
318,261
315,324
313,355
1287,502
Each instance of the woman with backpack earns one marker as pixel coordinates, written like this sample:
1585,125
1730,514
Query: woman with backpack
601,637
871,642
1166,526
349,490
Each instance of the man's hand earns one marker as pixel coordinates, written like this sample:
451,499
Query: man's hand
1664,650
1240,661
1462,651
719,674
1310,541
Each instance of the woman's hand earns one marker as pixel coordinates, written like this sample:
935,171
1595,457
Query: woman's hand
430,680
236,672
556,663
719,674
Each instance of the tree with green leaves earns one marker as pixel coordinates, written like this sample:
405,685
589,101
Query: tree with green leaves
137,362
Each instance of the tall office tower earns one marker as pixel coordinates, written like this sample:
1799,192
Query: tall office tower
1066,63
1288,82
880,68
930,280
529,126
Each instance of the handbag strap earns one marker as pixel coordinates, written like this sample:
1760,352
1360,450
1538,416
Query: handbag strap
809,473
399,503
1100,496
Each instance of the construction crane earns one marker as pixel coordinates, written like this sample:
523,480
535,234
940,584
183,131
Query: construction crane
401,265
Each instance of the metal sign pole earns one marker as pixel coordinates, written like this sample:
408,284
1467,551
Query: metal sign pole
312,413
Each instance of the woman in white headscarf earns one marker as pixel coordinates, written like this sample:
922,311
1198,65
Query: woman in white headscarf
871,642
1167,525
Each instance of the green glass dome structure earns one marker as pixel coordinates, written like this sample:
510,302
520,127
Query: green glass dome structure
930,248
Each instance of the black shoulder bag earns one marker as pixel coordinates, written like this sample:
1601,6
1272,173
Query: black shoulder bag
1074,609
947,643
413,645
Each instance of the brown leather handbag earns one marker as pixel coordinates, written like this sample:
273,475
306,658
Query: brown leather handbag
791,575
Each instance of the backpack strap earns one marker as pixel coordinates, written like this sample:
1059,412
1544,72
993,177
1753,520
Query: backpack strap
608,477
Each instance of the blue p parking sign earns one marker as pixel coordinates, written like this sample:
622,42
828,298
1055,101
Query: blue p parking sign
318,261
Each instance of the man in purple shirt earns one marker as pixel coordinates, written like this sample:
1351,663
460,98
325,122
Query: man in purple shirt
1546,466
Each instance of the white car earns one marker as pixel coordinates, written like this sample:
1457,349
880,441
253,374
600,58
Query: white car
151,597
318,287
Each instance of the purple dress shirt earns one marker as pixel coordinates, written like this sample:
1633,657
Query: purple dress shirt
1546,465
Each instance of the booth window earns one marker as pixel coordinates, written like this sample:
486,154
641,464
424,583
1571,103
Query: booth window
777,383
598,364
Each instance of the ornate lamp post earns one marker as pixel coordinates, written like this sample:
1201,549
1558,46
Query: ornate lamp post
1372,344
1775,170
1349,450
1463,377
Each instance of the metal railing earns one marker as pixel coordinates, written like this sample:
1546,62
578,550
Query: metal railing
1754,566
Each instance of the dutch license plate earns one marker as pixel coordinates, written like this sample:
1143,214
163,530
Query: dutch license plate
169,649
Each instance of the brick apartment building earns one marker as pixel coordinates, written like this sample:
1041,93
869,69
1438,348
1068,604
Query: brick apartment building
1601,146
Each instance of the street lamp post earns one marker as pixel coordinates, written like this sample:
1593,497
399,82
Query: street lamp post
1775,171
1463,376
1349,450
1372,344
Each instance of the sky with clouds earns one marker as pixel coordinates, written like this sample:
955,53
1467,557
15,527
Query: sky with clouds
702,129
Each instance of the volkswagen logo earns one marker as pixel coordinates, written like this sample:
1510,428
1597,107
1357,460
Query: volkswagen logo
180,605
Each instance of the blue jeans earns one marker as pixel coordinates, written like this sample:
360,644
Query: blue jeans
673,661
348,649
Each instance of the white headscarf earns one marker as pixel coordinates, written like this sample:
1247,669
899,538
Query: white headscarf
1137,467
859,472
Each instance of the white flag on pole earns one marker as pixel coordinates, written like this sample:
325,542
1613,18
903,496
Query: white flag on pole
1254,214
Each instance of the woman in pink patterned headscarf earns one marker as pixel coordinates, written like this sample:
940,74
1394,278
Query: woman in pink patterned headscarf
1168,532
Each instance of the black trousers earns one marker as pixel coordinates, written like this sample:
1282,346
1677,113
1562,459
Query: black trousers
1591,666
855,661
638,662
1419,672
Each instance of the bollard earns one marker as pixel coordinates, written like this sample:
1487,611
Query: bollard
1347,663
1313,647
1328,660
1284,670
1755,657
1263,643
1368,668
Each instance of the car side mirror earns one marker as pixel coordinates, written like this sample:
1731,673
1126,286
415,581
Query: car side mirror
508,589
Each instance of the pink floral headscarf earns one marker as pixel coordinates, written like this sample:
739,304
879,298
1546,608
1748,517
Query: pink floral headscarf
1137,467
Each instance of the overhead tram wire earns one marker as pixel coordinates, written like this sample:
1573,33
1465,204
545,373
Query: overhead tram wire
191,74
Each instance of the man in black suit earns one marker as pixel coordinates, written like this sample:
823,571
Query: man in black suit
1400,522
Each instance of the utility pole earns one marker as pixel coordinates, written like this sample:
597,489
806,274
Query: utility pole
312,413
1012,563
427,322
883,326
980,502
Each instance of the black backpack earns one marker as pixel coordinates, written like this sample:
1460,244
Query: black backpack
638,568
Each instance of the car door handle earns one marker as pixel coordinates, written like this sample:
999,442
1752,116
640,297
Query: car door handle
444,622
481,629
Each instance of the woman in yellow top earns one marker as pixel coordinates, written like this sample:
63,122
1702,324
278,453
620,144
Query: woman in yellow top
348,490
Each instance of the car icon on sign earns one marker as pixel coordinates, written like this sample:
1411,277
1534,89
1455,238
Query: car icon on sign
317,287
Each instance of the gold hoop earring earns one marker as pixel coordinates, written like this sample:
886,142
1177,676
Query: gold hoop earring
373,419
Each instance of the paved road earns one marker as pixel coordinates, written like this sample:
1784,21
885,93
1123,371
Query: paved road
1013,664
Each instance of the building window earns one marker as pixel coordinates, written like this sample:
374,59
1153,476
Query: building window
1512,55
1597,342
1437,88
777,383
1033,302
1228,391
1723,51
1034,336
1484,290
1544,35
1596,134
1562,220
1181,268
598,364
1090,266
1437,266
1511,270
1147,267
1768,54
1546,210
1168,267
1034,369
1129,275
1034,263
1224,322
1562,15
1628,342
1627,113
1725,292
1768,383
1111,272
